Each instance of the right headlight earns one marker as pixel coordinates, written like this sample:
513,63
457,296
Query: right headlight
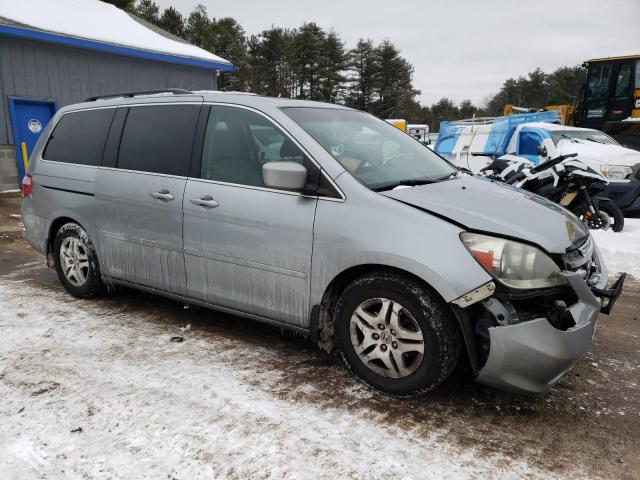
514,264
616,172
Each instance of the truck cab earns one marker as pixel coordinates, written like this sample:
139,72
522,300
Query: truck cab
611,98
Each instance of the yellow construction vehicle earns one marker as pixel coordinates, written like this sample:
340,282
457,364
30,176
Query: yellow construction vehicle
608,101
566,111
399,123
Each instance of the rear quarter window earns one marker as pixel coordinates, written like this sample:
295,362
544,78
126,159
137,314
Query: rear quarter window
79,137
158,139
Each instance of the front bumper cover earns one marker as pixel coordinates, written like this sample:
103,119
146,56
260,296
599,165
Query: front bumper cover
531,356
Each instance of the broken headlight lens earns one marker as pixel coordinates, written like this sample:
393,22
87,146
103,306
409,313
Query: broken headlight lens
514,264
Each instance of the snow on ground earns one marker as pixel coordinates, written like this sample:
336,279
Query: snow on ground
90,390
621,250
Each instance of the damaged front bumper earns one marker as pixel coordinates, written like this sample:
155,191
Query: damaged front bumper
530,355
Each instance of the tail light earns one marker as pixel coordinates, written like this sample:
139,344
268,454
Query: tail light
27,185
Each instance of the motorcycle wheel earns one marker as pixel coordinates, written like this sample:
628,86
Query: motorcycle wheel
616,217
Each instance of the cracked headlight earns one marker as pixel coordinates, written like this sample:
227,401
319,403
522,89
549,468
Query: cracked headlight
616,172
515,264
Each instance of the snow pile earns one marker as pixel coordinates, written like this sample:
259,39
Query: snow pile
99,21
621,251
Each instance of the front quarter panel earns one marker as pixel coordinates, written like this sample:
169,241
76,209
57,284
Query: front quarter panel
369,228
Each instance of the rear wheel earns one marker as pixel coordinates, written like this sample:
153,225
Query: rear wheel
76,262
395,335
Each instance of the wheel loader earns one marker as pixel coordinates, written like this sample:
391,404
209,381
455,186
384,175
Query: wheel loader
608,101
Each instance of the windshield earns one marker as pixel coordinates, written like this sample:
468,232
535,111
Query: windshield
376,153
589,135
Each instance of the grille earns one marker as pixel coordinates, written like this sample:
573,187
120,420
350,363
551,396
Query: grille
580,255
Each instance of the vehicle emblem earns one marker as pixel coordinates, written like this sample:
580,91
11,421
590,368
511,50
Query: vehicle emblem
386,337
34,125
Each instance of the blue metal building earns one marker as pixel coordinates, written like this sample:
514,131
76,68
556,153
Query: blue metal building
42,70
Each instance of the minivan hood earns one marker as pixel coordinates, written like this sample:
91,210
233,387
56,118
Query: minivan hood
495,208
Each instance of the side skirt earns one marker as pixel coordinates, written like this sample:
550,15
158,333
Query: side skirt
210,306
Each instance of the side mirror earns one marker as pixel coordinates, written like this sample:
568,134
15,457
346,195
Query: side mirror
542,150
284,175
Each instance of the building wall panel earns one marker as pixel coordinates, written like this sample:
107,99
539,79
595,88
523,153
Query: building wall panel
69,75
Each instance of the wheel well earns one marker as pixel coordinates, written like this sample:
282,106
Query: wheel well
53,229
322,324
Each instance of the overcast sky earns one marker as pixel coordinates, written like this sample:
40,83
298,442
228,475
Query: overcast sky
459,48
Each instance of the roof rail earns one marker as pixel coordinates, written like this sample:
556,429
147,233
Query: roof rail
175,91
475,121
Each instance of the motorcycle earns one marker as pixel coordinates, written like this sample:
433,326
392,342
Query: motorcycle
563,180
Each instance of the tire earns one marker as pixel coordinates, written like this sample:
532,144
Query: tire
614,213
76,262
392,362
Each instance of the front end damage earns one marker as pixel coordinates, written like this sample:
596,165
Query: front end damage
524,341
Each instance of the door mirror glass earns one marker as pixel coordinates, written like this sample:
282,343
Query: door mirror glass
542,150
284,175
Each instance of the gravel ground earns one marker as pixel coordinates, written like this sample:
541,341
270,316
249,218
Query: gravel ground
97,389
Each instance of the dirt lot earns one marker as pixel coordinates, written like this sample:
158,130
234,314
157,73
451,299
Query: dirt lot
98,389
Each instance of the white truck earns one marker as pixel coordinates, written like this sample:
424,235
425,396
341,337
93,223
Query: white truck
538,137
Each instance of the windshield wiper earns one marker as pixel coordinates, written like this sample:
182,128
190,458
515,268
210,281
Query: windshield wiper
594,140
411,182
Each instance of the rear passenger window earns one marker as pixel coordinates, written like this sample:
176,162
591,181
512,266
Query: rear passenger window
158,139
79,137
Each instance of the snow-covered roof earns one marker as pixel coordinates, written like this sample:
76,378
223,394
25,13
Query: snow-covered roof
98,26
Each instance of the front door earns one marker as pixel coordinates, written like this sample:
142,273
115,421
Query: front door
139,201
623,89
248,247
28,119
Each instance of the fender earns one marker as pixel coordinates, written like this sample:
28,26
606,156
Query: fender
601,200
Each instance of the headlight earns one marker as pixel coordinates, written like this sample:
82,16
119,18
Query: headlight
616,172
514,264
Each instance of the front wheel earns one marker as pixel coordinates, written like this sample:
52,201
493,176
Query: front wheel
396,335
614,216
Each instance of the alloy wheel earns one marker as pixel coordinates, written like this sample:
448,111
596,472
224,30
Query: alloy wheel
387,338
74,261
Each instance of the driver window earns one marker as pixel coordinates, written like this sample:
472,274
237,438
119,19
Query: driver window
238,142
529,143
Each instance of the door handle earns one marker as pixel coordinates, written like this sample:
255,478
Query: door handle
207,201
163,195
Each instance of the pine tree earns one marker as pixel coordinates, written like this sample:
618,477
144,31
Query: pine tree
198,28
147,10
270,58
229,42
123,4
172,21
362,77
307,58
394,88
331,72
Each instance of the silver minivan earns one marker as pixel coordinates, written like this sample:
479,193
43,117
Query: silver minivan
321,219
